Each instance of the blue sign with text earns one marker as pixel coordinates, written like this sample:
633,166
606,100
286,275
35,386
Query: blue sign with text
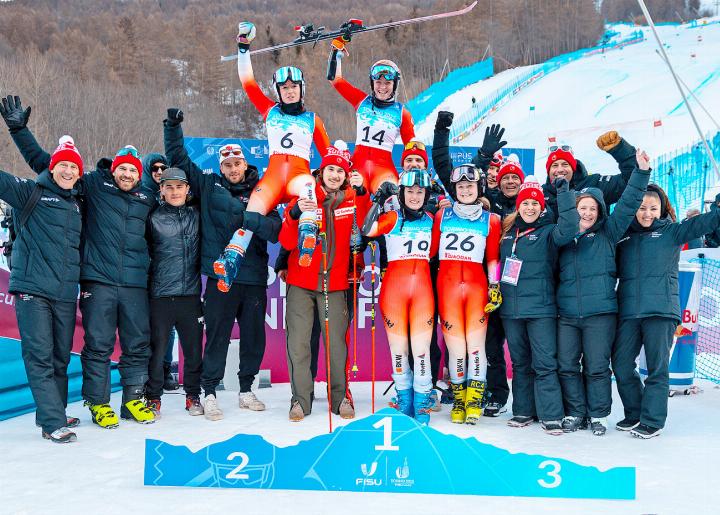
390,453
204,152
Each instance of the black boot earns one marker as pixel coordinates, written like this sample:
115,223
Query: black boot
169,383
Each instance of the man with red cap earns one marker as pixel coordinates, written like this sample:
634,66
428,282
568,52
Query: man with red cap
562,162
341,199
113,273
45,270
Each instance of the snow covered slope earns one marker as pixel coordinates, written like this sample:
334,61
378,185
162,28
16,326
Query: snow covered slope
627,90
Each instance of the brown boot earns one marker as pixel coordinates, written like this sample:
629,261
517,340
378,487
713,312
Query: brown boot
346,409
296,412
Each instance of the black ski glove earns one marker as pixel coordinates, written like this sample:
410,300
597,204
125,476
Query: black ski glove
12,112
385,191
175,116
444,120
561,184
493,140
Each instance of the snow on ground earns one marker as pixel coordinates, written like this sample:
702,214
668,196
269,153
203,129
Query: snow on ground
677,473
626,90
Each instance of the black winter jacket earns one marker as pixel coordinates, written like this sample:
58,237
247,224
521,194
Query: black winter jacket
587,264
114,249
174,241
222,212
534,294
712,239
611,186
46,252
647,263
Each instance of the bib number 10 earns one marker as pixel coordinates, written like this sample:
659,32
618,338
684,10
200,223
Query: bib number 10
422,245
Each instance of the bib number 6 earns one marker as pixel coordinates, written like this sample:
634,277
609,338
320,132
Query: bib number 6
286,142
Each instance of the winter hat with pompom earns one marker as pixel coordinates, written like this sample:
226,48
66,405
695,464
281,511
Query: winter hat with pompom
337,155
66,151
530,189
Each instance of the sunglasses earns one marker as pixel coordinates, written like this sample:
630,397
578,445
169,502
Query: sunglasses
415,177
129,151
465,173
159,168
566,148
383,71
414,145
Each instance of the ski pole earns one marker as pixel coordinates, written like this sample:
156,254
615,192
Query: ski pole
323,245
373,246
355,295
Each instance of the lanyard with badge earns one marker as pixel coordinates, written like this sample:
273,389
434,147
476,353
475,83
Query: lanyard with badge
513,265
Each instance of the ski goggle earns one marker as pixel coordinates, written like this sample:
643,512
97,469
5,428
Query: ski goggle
288,73
128,151
414,145
465,173
415,177
231,150
565,148
383,71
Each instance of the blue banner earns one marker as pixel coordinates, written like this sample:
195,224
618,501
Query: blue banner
204,152
385,452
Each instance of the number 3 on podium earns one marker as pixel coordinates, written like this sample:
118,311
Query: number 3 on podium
554,473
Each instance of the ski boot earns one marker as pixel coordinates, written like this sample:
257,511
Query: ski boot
403,402
103,415
422,404
457,413
473,401
307,237
226,267
133,408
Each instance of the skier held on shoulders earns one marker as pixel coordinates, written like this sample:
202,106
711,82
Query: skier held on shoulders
381,119
291,132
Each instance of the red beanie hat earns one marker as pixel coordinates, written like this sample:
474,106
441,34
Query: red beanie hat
510,168
337,155
415,148
66,151
127,155
530,189
561,154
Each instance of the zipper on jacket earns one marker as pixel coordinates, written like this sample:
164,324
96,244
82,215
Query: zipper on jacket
577,280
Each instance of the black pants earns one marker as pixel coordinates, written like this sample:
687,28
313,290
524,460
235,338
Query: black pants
246,304
533,350
46,330
497,383
107,310
589,339
184,313
648,403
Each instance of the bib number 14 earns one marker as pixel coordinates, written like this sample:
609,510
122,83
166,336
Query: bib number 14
378,137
